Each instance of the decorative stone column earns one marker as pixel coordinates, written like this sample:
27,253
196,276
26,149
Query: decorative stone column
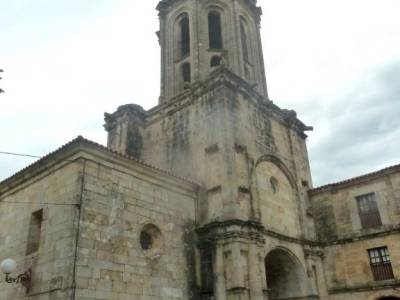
256,277
220,288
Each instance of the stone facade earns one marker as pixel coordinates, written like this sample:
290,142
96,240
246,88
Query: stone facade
96,203
347,239
245,223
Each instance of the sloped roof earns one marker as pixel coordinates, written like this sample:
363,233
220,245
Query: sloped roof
81,141
355,180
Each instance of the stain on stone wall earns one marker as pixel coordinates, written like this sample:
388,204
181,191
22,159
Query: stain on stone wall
325,221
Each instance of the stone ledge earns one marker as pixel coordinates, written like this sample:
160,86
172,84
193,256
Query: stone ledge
371,286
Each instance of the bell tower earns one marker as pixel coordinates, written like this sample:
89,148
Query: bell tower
216,126
198,36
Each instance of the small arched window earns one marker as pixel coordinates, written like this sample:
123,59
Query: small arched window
214,30
243,37
184,36
215,61
274,185
186,70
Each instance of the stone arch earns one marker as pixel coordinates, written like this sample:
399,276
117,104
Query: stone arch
280,164
257,195
224,11
285,274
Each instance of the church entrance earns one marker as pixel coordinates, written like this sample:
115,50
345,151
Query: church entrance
285,275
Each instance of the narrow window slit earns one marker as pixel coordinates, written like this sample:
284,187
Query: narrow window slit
215,30
184,36
186,73
34,232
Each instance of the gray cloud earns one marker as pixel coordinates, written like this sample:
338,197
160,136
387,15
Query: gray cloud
362,129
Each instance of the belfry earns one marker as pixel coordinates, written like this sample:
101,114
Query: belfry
197,36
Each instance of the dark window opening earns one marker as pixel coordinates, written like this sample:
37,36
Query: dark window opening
246,71
214,30
380,264
185,36
243,36
186,73
207,274
368,210
146,241
274,185
215,61
34,232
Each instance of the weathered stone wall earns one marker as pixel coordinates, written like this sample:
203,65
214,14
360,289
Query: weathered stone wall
279,210
346,263
119,201
347,266
119,198
268,134
216,139
55,191
336,212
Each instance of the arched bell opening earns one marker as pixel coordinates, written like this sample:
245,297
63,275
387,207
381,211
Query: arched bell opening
286,277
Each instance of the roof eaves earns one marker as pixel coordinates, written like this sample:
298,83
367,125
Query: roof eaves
355,180
82,141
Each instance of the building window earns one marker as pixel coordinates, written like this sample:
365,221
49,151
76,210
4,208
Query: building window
243,37
34,232
146,241
214,30
380,264
368,210
215,61
184,37
207,274
186,70
151,241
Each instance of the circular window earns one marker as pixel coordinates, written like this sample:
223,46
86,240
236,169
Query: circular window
274,185
151,241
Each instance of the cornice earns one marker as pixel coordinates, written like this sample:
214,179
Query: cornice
371,286
362,237
355,180
164,5
64,154
223,77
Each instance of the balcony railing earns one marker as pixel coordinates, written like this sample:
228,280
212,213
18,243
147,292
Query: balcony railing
382,271
371,220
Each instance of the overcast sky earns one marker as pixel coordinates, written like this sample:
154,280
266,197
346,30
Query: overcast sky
337,63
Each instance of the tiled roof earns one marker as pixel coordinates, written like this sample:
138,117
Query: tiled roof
355,180
82,141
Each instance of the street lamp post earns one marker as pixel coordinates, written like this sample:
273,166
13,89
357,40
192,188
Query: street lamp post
9,266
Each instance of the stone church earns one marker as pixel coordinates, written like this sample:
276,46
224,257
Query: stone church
208,195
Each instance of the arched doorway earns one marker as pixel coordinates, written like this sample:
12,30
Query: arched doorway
286,277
